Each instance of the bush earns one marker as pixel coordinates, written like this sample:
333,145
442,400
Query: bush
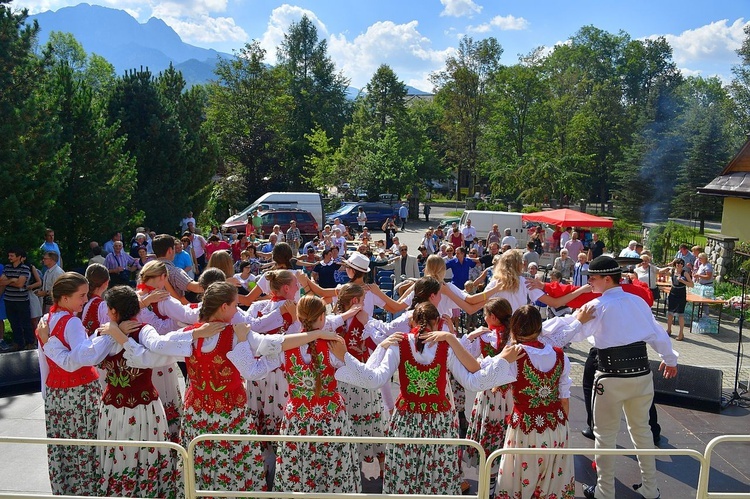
664,240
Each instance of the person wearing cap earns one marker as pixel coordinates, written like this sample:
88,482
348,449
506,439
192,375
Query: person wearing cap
621,327
630,251
509,238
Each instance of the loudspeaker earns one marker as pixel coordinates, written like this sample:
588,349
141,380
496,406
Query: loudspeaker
693,387
18,368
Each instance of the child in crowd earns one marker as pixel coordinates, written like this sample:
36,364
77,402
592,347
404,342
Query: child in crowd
541,398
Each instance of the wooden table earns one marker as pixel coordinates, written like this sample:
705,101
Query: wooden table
696,300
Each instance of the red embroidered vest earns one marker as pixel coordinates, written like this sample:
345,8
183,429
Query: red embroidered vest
488,350
59,377
282,329
423,388
301,376
215,384
127,386
536,402
91,319
357,346
154,307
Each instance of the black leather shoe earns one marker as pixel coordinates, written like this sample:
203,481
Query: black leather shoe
588,491
588,433
639,485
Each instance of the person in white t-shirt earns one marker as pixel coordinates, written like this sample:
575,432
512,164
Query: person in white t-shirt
509,239
469,232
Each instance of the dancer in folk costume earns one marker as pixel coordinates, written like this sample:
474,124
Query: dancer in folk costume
364,406
541,401
315,407
424,409
71,389
94,313
487,421
267,397
131,409
153,278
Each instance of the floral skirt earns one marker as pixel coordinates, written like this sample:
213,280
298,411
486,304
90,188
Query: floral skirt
73,413
224,464
267,398
527,476
134,471
317,467
166,380
422,469
365,410
459,393
487,423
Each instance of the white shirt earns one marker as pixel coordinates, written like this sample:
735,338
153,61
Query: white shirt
383,364
564,238
622,318
519,297
469,232
509,240
629,253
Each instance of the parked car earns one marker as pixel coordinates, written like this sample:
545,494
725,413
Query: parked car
306,223
376,214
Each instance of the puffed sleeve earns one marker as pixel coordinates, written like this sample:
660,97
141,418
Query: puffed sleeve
559,331
375,373
474,347
162,326
333,322
87,355
174,309
175,344
565,382
250,366
140,356
493,371
266,344
265,323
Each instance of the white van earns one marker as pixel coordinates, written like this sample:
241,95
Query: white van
484,220
308,201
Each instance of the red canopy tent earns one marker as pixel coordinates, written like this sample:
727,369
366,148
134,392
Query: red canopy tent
567,218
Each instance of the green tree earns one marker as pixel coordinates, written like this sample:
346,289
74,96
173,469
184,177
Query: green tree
30,160
740,86
462,92
318,93
384,102
705,128
246,116
97,188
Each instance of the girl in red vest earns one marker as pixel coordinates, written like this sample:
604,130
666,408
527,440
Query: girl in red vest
131,409
487,422
70,385
424,408
315,407
364,406
541,398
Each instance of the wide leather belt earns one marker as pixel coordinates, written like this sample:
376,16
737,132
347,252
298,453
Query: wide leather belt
627,360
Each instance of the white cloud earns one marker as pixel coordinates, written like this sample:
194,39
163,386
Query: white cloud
281,18
460,8
409,53
503,23
206,29
713,42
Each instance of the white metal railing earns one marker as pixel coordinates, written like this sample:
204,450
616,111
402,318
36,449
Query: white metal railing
485,463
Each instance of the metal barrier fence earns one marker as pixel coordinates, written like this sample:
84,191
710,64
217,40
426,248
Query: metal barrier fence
485,464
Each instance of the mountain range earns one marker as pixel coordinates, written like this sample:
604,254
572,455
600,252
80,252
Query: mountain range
128,44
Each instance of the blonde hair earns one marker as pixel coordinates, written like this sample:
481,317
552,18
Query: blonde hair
277,279
346,293
435,267
223,261
154,268
309,310
506,270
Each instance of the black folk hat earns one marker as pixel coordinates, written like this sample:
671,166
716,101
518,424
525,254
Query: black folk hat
603,265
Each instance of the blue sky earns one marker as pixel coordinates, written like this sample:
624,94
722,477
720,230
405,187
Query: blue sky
415,36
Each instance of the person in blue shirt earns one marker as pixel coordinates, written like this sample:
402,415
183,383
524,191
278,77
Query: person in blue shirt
403,214
460,266
50,245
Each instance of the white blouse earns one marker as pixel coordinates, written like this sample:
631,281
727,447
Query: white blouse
187,314
384,362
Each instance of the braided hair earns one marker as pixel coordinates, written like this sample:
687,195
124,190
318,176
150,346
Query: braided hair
309,310
425,314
